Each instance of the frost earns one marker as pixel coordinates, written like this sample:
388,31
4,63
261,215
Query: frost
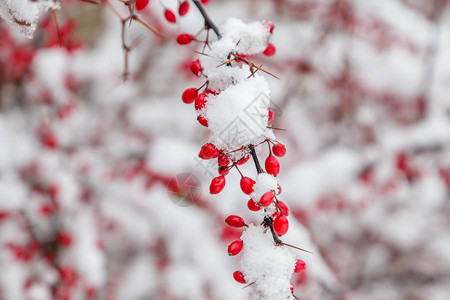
23,15
270,267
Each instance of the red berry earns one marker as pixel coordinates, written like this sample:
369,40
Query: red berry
283,207
239,277
279,189
64,239
270,50
272,165
243,160
205,1
271,115
202,120
185,38
252,205
279,150
280,225
210,151
235,247
170,16
266,199
196,67
223,160
208,91
141,4
217,185
189,95
247,185
184,7
235,221
300,266
200,101
269,25
49,140
224,171
202,155
292,288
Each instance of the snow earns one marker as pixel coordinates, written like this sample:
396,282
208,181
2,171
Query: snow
270,267
23,15
238,115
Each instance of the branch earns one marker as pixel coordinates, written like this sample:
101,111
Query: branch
209,24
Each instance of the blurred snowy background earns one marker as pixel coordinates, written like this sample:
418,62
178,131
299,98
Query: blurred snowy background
85,159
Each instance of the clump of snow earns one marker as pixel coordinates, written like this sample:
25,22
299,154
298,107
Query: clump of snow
270,267
238,116
23,15
249,38
264,183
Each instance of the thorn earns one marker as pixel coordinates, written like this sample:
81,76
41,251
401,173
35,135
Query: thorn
201,53
276,128
227,62
249,284
148,26
57,27
284,244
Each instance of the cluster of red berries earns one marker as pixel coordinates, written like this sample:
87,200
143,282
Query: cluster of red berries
170,16
236,247
279,223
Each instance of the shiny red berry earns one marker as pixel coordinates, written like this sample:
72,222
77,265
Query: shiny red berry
196,67
189,95
279,150
141,4
270,50
205,1
247,185
266,199
185,38
243,160
224,171
184,8
239,277
279,190
252,205
223,160
217,185
210,151
271,115
202,120
272,165
283,207
235,221
200,101
170,16
235,247
300,266
280,225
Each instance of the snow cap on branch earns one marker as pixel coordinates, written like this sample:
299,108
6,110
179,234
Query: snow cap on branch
270,267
